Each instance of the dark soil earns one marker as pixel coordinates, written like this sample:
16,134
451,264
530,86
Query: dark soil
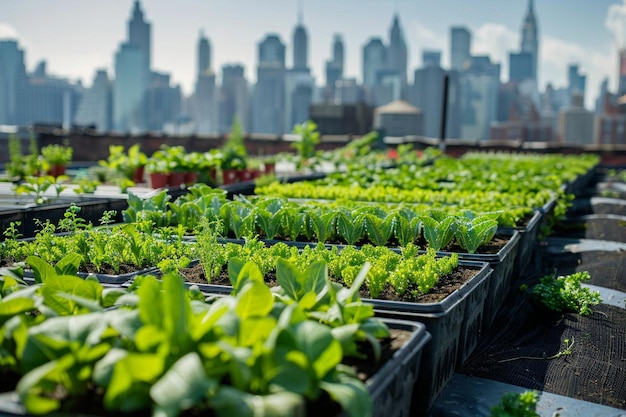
444,287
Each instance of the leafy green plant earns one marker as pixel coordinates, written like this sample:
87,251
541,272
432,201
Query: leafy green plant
57,154
38,186
565,293
523,404
309,137
474,231
439,229
234,153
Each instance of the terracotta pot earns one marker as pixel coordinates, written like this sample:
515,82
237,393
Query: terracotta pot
230,176
245,175
138,174
191,177
159,180
57,170
269,168
176,179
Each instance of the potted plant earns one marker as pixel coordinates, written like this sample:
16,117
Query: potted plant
57,157
234,155
158,169
136,163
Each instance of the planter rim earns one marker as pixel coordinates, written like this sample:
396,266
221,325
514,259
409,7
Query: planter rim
435,309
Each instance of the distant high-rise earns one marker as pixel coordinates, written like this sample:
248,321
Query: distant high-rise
427,96
374,54
479,83
205,95
621,89
132,75
269,96
300,47
162,103
334,67
576,123
530,38
129,89
338,52
576,83
12,81
139,33
520,66
460,39
397,52
233,99
96,105
431,58
204,54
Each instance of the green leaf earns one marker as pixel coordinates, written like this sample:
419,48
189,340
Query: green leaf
322,349
240,272
255,300
181,387
287,277
41,269
351,394
72,286
129,388
14,306
68,265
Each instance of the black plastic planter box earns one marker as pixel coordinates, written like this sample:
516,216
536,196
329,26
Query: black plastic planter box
115,280
527,241
454,325
391,387
503,265
91,211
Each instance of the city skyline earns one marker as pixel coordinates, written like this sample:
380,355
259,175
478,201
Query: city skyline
80,46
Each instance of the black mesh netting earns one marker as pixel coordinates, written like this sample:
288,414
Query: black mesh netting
517,349
606,268
613,229
594,371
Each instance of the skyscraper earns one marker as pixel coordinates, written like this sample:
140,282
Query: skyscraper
96,105
139,33
132,75
576,83
479,83
205,96
233,99
530,39
460,39
621,89
428,92
204,54
300,47
374,54
12,80
397,51
129,89
520,66
269,95
334,67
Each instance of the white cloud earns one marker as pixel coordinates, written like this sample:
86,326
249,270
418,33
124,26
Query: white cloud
556,55
616,23
497,41
8,32
420,38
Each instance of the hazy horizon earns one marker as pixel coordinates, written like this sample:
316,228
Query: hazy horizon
77,37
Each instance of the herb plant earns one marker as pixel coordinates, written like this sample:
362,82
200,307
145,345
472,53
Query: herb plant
516,405
565,293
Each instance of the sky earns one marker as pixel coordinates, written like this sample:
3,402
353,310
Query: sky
77,37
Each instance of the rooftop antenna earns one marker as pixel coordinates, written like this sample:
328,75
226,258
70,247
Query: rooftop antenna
300,13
